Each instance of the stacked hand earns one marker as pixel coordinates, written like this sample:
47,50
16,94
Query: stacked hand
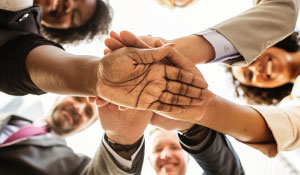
126,38
135,78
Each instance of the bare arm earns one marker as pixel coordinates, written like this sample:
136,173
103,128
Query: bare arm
54,70
239,121
142,82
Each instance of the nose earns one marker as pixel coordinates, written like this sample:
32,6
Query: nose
69,5
256,69
166,154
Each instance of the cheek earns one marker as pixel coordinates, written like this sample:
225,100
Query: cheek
154,160
238,74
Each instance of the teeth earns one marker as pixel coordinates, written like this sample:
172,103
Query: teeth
269,67
54,5
169,166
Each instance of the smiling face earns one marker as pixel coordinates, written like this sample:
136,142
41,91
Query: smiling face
167,157
271,69
63,14
71,114
175,3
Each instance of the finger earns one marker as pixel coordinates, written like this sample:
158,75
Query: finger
183,89
177,59
107,51
100,102
162,107
158,43
129,39
147,56
192,97
113,44
182,76
116,36
122,108
91,99
174,99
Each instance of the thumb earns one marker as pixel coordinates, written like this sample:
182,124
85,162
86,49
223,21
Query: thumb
180,61
130,39
147,56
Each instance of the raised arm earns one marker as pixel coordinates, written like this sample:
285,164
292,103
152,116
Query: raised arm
131,77
242,122
250,33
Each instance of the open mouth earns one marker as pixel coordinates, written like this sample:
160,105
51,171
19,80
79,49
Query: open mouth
168,165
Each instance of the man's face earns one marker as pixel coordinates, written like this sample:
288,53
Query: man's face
63,14
71,114
167,157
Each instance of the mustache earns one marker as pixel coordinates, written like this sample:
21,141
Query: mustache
61,122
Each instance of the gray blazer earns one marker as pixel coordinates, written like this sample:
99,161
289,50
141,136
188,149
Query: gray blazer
41,155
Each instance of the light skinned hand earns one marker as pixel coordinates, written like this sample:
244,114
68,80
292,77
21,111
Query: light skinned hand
123,127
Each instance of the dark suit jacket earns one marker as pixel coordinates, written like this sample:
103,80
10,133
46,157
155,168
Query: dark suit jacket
217,157
42,155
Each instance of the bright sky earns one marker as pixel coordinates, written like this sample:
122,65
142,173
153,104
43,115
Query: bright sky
144,17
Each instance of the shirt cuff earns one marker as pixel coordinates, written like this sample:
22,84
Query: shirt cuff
224,50
126,164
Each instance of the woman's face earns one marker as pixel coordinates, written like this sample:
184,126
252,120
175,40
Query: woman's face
182,3
271,69
63,14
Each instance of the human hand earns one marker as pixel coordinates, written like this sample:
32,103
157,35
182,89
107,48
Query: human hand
144,85
169,124
128,39
192,113
123,127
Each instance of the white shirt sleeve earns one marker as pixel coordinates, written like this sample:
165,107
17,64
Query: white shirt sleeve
224,50
127,164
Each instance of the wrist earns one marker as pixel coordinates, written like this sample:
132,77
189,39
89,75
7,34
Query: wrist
196,133
122,139
91,80
98,86
196,48
185,126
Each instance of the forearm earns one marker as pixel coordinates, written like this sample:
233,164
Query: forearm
195,47
53,70
241,122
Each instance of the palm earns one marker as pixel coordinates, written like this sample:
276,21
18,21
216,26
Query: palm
146,85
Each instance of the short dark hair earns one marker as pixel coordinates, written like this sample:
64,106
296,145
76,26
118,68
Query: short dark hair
99,24
268,96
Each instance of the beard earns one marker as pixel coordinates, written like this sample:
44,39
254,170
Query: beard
65,119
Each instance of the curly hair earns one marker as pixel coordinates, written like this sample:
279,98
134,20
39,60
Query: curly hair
99,24
268,96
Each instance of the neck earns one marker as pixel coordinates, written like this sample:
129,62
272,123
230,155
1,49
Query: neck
295,65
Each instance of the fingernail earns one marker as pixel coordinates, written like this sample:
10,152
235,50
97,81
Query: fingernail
169,44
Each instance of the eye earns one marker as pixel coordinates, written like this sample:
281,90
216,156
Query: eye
248,75
89,111
157,150
175,147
